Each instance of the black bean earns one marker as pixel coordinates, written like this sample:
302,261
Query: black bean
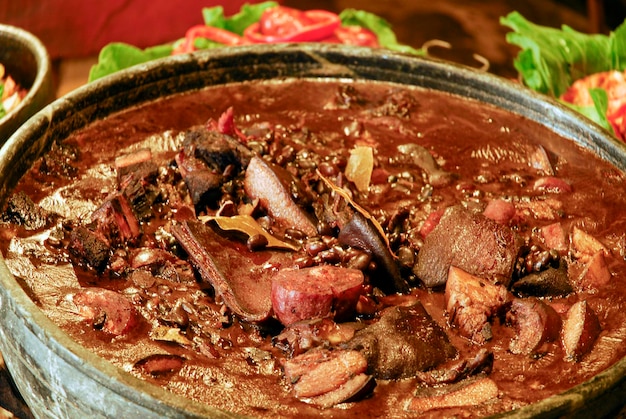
328,170
330,256
295,234
304,262
325,229
313,247
256,242
360,261
406,256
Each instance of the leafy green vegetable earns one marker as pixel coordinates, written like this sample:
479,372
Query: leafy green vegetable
378,25
552,59
2,110
118,56
237,23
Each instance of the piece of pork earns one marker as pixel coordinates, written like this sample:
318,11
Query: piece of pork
244,283
328,377
216,149
90,249
536,324
472,393
116,221
204,185
457,370
404,341
23,211
472,303
580,330
302,336
360,233
550,282
319,291
106,309
272,186
472,242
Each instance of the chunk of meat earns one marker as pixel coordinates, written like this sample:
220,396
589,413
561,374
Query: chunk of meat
138,163
550,282
469,394
500,211
216,149
595,274
471,242
555,237
23,211
302,336
458,370
139,194
89,248
536,323
160,364
272,186
106,309
359,232
203,183
422,158
584,245
244,283
472,302
580,330
325,372
319,291
402,342
116,221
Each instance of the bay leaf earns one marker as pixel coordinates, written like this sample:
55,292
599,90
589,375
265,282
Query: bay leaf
248,225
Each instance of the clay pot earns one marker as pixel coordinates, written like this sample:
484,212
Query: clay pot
59,378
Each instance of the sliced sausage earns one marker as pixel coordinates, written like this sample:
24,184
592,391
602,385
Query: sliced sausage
309,293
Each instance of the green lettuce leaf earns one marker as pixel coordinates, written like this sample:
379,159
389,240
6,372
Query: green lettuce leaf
378,25
118,55
551,60
237,23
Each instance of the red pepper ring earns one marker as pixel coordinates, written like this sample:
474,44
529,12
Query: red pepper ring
324,26
219,35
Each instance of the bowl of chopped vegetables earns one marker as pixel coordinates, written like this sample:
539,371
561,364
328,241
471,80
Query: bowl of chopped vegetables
25,78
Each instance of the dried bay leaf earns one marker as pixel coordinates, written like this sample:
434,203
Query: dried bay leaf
247,224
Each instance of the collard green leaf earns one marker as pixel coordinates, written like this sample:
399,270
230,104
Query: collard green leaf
247,225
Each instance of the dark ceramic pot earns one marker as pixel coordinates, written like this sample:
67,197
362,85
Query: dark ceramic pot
59,378
25,58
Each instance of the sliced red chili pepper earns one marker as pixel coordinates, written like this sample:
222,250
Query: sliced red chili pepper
284,24
355,35
219,35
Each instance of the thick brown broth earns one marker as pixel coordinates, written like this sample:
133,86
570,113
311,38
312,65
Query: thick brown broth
487,148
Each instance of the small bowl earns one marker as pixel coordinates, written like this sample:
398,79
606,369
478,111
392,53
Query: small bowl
25,59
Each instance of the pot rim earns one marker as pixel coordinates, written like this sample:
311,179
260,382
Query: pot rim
565,122
41,85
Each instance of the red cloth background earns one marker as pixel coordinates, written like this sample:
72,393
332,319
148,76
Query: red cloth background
74,28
